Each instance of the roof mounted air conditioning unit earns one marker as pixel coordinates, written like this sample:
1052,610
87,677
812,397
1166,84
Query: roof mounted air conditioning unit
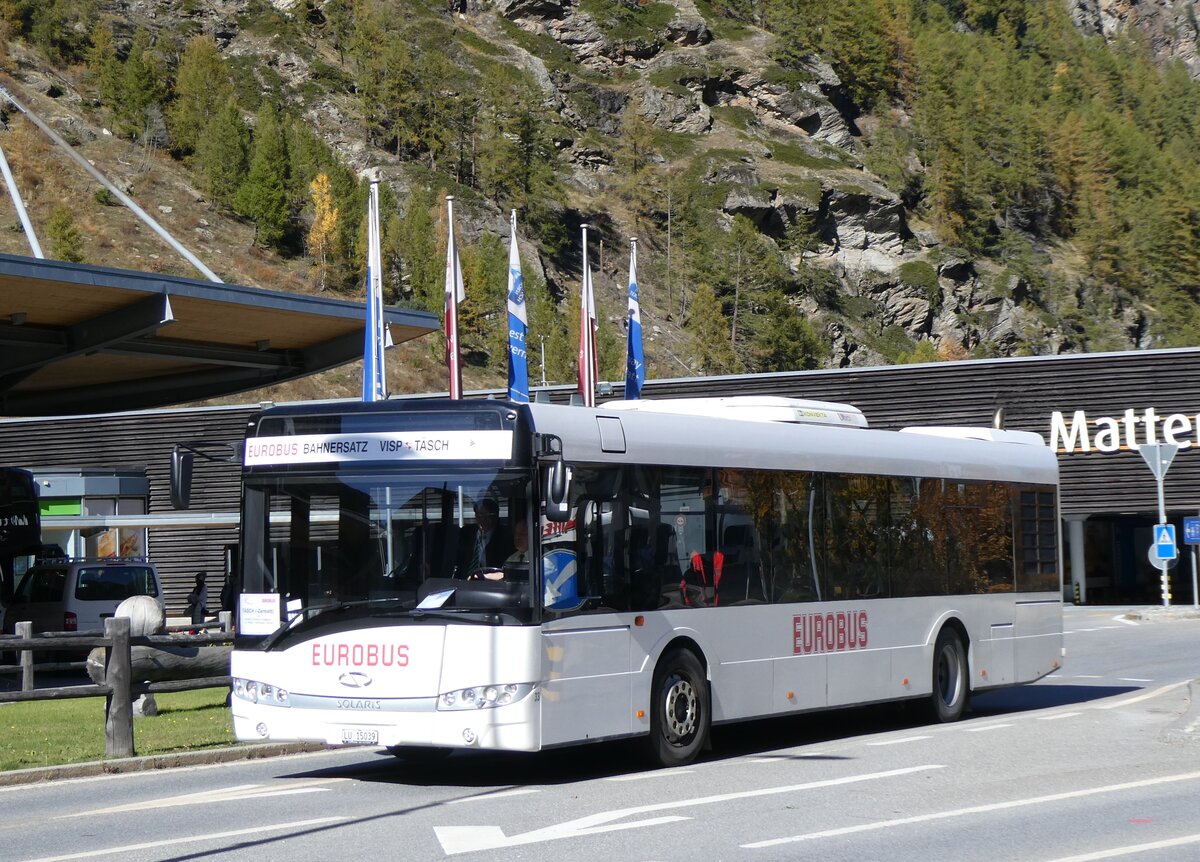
755,408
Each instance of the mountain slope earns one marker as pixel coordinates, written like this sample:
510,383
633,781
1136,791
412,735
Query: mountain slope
877,181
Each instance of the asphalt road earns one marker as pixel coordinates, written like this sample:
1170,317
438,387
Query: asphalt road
1098,762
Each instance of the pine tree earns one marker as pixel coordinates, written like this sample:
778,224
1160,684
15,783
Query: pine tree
709,329
425,269
483,317
104,69
143,86
784,340
60,28
201,87
635,156
66,242
263,196
222,153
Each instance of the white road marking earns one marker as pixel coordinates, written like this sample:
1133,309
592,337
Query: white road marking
1132,679
976,809
985,729
499,794
465,839
207,836
899,741
1133,848
654,773
224,794
1057,717
1121,619
1145,696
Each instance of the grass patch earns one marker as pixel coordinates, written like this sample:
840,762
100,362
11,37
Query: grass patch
721,26
623,23
799,157
56,732
742,119
670,79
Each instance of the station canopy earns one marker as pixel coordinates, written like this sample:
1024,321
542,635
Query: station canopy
86,339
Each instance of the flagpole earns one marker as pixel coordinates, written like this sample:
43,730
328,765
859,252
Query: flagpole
374,386
587,332
454,295
381,333
635,358
518,322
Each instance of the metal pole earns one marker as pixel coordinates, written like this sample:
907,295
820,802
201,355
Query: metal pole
19,204
1195,565
1162,519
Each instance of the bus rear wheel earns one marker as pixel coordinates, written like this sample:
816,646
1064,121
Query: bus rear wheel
950,689
679,710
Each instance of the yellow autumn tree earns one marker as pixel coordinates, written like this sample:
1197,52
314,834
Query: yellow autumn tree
323,233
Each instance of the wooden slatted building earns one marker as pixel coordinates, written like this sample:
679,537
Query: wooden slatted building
1109,499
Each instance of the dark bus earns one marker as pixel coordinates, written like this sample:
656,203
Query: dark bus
20,525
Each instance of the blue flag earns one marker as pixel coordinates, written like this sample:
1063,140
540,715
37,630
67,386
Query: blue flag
374,381
518,323
635,362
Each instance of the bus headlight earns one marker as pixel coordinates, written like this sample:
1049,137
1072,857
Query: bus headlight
485,696
260,692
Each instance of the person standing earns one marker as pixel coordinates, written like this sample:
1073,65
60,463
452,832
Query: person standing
197,600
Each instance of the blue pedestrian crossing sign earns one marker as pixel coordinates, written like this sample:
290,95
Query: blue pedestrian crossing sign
1164,542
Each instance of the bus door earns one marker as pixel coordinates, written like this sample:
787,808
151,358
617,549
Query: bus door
585,642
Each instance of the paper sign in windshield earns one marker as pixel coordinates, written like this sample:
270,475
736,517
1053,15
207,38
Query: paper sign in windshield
380,446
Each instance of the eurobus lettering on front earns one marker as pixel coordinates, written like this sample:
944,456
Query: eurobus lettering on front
1112,434
510,580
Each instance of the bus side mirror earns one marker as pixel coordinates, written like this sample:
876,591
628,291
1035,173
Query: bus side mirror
557,493
181,477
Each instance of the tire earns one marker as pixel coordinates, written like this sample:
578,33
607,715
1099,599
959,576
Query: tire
951,690
419,755
679,710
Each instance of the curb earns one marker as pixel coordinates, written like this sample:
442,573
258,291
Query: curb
1172,612
1187,727
118,766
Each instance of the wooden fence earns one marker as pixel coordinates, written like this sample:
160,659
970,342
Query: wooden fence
118,687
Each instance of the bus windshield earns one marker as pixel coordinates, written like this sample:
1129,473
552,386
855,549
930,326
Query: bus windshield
394,541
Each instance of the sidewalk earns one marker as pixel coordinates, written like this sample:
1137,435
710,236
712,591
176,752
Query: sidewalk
116,766
1160,614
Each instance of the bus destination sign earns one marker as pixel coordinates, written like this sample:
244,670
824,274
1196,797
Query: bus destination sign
380,446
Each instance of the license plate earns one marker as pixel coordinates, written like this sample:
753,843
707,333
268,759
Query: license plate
359,736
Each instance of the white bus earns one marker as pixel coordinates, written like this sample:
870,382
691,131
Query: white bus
690,563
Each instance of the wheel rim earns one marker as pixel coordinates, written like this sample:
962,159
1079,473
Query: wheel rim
680,710
949,675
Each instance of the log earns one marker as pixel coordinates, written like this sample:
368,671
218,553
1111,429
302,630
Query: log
159,664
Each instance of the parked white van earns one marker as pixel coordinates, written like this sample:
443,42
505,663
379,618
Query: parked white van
78,595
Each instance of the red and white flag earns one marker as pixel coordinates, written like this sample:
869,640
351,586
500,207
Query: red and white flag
455,293
588,326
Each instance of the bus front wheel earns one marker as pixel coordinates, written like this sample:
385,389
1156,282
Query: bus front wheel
679,711
950,689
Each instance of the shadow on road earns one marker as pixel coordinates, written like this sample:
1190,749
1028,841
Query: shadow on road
778,737
1023,698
